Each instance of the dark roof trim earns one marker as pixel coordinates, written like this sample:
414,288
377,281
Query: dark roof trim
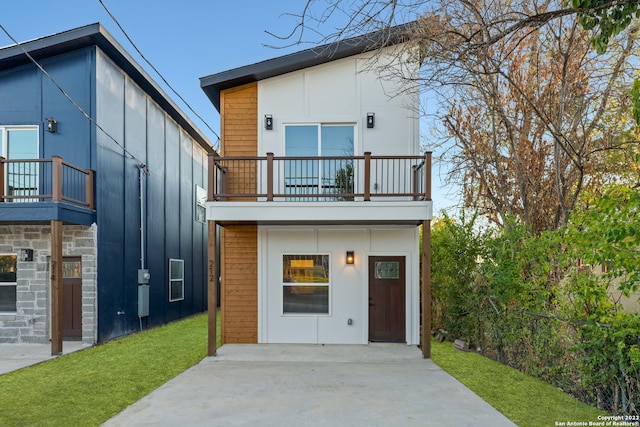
97,35
213,84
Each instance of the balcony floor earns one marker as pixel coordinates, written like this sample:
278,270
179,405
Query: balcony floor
320,213
43,212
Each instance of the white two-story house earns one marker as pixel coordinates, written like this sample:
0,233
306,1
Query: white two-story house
318,197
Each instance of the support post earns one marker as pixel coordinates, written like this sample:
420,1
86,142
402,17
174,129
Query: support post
56,178
269,177
2,166
426,290
56,287
427,175
88,189
416,184
212,301
211,178
367,176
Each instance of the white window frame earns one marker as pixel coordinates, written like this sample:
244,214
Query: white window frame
14,284
318,151
177,280
201,204
4,152
327,284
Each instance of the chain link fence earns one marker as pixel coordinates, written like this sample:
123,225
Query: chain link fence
593,363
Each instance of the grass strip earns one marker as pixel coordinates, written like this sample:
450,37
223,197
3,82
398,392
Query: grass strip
88,387
523,399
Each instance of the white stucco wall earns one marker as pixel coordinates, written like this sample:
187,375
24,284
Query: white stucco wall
349,286
339,92
344,91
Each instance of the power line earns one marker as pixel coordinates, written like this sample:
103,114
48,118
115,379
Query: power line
69,98
158,72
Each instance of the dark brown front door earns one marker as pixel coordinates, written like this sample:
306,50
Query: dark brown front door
71,298
387,298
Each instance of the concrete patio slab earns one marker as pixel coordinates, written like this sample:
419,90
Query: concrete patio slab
312,385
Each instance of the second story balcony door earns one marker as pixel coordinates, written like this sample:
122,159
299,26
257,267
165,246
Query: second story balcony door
20,142
330,176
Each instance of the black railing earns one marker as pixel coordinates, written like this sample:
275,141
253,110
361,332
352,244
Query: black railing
359,178
41,180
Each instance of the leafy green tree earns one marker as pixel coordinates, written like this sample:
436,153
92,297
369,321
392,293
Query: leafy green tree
606,231
456,251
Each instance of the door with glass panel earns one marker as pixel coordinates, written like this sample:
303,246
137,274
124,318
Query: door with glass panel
387,298
21,178
329,178
72,298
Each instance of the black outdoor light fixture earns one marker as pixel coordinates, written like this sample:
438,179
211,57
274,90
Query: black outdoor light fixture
52,125
371,120
268,122
350,258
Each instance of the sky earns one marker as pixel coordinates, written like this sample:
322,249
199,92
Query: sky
184,40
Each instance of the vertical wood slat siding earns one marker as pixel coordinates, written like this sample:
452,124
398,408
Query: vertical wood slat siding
239,243
240,284
239,127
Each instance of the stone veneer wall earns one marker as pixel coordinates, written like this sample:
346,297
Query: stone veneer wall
32,321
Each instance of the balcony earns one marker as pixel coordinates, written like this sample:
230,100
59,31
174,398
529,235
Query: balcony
40,190
347,190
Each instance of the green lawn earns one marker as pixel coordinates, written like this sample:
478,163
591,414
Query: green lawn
89,387
524,400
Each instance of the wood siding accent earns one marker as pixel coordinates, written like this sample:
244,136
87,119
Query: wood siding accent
239,244
239,129
239,120
239,292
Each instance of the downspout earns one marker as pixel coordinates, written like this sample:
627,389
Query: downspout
143,273
142,172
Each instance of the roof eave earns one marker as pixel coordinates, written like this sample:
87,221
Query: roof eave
97,35
213,84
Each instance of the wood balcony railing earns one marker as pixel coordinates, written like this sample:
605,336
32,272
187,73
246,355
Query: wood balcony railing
312,179
45,180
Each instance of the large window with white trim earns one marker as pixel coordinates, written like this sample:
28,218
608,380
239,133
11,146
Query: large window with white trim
176,280
332,175
306,283
20,143
8,282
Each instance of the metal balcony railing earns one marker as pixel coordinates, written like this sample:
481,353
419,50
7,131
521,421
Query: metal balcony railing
312,179
45,180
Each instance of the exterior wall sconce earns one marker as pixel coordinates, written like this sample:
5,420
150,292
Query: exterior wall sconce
52,125
268,122
350,258
371,120
26,255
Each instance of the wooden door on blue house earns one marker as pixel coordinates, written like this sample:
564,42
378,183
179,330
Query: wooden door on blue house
72,298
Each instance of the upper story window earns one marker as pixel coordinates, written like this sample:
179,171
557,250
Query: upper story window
20,142
201,204
327,176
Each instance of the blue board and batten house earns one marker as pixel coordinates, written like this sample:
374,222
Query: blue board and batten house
88,207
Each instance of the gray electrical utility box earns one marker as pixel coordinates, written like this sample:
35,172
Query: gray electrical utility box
143,300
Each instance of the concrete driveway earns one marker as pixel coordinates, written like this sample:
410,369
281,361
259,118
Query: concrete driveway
312,385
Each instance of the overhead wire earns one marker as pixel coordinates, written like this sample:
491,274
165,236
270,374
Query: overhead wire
70,99
115,20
